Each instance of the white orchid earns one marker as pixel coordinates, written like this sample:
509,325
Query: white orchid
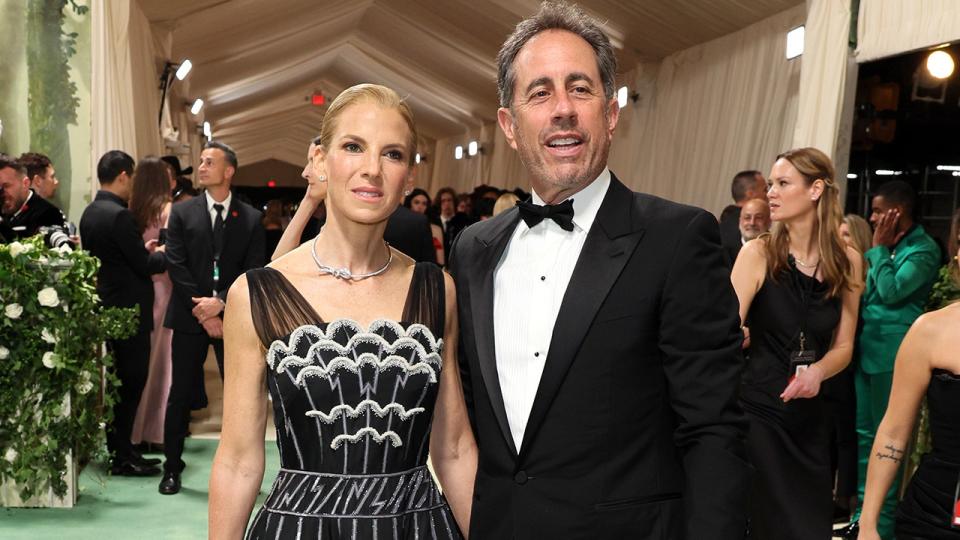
48,297
47,336
16,248
4,353
10,455
13,311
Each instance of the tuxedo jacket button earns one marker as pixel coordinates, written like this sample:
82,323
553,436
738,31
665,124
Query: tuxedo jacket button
520,477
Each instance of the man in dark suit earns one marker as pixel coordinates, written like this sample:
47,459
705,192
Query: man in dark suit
24,212
599,334
746,185
110,233
754,221
211,239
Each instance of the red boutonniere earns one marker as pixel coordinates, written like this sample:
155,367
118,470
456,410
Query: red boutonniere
234,213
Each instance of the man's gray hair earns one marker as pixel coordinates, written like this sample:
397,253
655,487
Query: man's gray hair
555,16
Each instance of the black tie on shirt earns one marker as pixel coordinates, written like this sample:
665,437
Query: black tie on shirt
533,214
218,231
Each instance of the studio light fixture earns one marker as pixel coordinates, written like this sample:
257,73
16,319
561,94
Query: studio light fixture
184,69
887,172
940,64
795,42
207,131
416,158
458,152
473,148
171,70
622,96
851,176
948,167
197,106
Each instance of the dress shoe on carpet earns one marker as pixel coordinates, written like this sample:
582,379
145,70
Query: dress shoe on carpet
849,532
134,468
170,484
139,459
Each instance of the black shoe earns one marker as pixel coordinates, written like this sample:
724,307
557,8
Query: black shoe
139,459
170,484
134,468
850,532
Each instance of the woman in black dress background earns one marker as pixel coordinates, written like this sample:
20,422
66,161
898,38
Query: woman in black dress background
799,290
928,362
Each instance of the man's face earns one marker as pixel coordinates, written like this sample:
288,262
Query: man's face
879,207
214,169
754,218
560,122
446,204
16,188
46,184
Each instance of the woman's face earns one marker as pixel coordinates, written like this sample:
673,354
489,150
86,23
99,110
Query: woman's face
419,204
790,196
367,164
845,235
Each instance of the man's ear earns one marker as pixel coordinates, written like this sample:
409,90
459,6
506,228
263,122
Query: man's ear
505,119
613,116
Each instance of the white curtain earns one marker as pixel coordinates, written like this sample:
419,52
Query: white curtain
125,79
702,115
889,27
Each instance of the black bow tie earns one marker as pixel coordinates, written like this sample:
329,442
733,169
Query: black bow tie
561,213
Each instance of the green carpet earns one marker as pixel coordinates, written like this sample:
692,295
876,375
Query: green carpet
110,507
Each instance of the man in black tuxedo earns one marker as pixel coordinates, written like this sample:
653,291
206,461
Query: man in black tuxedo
24,212
110,233
211,239
599,334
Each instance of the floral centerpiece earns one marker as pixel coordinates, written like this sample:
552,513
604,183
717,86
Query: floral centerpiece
56,389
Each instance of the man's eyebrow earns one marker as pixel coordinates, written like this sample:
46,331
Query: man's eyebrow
538,82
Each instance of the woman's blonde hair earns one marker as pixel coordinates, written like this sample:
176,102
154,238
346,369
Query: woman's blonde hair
505,202
859,231
813,165
370,93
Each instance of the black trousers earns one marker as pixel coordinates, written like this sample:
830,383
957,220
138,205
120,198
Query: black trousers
189,352
131,365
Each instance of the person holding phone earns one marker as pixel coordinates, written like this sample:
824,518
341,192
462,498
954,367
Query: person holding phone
799,290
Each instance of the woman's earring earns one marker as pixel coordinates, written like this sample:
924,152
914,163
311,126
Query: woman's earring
321,178
406,192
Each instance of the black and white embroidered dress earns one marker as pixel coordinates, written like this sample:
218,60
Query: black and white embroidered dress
353,409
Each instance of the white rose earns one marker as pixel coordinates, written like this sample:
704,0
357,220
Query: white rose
11,455
4,352
48,297
13,310
51,360
64,249
16,248
85,387
48,336
65,406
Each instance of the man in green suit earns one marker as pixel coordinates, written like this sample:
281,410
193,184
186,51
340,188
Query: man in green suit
903,264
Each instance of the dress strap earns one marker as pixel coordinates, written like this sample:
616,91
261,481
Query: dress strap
426,301
276,306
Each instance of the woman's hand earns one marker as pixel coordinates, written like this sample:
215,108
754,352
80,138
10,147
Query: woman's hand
868,533
805,385
746,337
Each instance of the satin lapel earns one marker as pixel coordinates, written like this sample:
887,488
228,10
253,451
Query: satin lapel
612,239
491,244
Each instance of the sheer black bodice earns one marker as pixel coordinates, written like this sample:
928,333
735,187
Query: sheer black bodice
353,408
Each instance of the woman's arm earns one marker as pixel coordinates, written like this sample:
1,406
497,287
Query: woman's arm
453,449
238,465
290,238
911,376
748,274
807,384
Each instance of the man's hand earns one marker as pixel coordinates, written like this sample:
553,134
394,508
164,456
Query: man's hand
206,307
885,233
214,327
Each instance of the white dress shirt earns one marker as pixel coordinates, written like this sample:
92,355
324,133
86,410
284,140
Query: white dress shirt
212,211
529,284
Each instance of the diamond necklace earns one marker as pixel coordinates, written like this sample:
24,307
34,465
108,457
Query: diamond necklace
803,264
345,273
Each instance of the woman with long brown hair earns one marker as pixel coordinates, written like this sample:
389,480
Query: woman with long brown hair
799,290
153,181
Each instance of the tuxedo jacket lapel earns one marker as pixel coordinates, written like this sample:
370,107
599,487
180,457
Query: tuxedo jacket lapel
489,251
612,239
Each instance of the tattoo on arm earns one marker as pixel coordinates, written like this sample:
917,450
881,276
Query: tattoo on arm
890,452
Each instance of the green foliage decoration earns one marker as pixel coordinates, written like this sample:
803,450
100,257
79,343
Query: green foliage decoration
56,390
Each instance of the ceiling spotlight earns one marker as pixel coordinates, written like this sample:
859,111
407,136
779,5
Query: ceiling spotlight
184,69
416,158
940,64
622,96
795,42
207,132
473,148
851,176
197,105
458,152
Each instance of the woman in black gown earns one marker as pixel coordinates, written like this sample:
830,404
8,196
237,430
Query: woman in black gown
356,344
799,291
928,363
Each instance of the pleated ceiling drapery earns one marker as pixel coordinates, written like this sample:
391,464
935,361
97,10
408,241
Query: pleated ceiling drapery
703,114
889,27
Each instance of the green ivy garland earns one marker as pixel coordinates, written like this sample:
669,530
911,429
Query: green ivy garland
51,329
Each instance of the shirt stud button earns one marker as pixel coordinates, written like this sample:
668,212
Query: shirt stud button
543,278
